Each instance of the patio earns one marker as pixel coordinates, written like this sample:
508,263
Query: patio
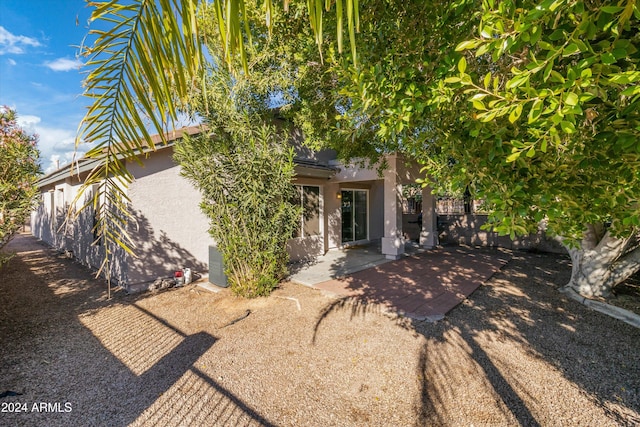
422,285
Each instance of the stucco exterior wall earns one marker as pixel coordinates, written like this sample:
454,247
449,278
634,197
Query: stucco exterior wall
74,236
376,210
170,230
332,206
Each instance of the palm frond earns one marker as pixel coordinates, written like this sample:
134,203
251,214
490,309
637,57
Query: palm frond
315,8
144,59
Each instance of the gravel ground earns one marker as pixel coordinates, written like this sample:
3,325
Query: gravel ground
517,352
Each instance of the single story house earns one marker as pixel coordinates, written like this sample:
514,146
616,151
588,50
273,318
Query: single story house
349,205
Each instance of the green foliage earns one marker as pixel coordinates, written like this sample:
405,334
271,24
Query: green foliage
285,71
551,127
244,168
144,59
19,172
533,105
245,179
404,49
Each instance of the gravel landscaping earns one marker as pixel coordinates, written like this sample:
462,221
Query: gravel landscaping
517,352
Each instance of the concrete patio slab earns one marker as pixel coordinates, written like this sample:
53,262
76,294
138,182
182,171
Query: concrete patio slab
424,286
338,263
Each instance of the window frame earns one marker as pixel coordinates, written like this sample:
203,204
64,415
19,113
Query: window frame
300,232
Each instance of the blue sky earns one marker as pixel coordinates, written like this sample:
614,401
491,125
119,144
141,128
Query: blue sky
39,70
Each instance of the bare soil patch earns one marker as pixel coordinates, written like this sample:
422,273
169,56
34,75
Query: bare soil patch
516,352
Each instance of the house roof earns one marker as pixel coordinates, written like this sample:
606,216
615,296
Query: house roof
303,167
85,164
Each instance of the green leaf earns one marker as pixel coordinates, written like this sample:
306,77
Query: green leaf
571,99
536,111
630,91
545,45
487,80
483,49
487,32
517,81
547,71
557,77
607,58
621,79
468,44
488,116
478,105
570,49
513,157
515,113
612,9
567,127
462,65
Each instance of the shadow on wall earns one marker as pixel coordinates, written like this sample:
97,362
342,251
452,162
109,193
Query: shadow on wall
156,254
77,239
303,253
464,229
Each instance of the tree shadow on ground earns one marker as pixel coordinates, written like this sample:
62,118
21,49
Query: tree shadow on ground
140,369
596,356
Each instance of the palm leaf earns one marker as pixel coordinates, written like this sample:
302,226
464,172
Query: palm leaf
140,70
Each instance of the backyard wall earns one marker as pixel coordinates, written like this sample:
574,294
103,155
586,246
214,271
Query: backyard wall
456,229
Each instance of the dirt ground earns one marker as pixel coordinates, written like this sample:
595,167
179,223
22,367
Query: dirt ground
517,352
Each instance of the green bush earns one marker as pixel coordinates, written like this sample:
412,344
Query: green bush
19,173
245,181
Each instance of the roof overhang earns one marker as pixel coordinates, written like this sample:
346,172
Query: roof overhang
307,169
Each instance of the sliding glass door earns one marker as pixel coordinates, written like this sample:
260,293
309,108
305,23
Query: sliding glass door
355,215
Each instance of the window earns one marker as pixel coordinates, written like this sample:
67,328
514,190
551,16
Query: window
309,198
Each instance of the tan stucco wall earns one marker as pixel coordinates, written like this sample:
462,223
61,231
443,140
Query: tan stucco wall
73,236
170,229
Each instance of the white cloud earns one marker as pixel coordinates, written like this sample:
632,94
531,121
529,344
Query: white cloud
11,62
56,145
28,123
64,64
57,161
10,43
57,139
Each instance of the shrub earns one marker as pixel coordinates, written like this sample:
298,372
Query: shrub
245,180
19,172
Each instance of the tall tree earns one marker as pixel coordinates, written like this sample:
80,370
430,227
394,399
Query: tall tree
243,165
537,113
19,173
552,128
532,105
